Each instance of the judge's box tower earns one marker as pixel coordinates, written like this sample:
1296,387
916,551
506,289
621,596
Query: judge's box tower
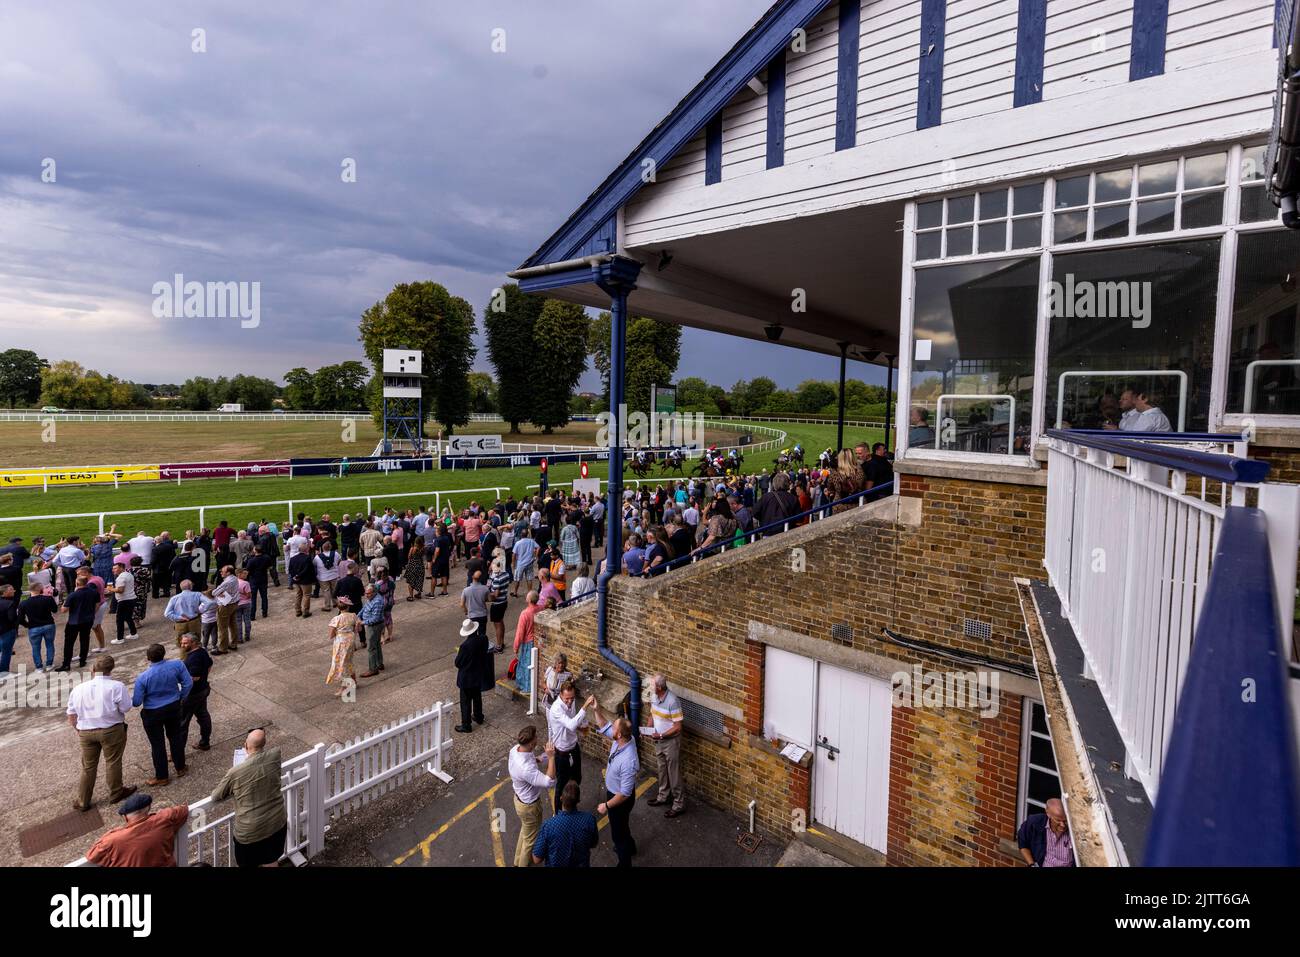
403,398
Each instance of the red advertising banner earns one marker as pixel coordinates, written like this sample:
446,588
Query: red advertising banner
200,470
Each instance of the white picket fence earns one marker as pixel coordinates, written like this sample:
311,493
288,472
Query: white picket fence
90,415
324,785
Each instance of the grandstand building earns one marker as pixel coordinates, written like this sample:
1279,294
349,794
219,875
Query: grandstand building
1041,212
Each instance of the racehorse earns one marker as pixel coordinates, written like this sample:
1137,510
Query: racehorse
673,462
826,459
641,466
707,467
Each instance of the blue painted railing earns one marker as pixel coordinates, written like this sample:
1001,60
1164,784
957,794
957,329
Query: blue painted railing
821,511
1230,789
1137,445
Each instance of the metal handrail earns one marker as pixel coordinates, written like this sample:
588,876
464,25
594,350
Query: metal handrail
783,525
1211,465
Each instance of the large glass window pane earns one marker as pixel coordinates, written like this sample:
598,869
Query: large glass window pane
1027,199
929,214
961,209
1116,184
1132,336
993,205
1071,227
1156,216
1026,233
1157,178
928,245
1110,222
1201,171
1072,192
1202,209
959,241
973,356
1265,325
1256,207
993,237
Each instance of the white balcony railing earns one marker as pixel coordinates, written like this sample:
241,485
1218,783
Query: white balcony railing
1129,552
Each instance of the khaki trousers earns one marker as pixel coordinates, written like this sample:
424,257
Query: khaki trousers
327,592
191,627
530,823
669,753
302,600
112,743
226,636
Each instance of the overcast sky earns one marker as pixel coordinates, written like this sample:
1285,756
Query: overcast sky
226,165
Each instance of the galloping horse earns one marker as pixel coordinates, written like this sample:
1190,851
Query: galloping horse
641,463
673,462
707,467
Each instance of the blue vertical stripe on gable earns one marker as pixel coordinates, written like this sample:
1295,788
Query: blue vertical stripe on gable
1031,36
1147,51
846,99
713,151
776,111
929,93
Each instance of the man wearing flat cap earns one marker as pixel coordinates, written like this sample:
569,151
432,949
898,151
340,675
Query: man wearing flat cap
145,840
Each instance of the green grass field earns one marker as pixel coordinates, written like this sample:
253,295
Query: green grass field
343,495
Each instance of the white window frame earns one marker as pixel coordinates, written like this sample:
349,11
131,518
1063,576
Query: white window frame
1027,734
1227,232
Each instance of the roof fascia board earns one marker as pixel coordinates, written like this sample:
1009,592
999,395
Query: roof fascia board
744,61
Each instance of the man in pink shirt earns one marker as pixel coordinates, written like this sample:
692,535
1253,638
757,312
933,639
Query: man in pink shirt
100,609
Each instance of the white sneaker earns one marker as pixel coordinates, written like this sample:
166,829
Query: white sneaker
117,641
93,651
133,637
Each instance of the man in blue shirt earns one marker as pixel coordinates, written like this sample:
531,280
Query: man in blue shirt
620,782
183,611
566,839
159,693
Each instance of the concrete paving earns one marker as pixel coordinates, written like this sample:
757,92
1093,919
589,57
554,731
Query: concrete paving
276,681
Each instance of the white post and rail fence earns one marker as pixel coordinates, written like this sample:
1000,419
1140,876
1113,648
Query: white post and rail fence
324,785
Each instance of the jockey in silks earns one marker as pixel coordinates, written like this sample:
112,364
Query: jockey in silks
798,450
733,459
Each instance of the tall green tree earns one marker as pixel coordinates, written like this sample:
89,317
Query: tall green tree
653,349
20,376
299,389
560,336
482,393
509,321
197,394
425,316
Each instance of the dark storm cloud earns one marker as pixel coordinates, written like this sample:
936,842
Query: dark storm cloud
225,165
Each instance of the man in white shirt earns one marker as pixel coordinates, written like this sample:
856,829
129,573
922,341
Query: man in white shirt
123,588
328,568
97,709
564,720
142,545
1139,414
529,782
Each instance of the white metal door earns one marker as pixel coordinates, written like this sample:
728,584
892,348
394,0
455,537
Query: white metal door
851,769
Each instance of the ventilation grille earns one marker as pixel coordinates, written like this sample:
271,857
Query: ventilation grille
701,717
977,629
841,633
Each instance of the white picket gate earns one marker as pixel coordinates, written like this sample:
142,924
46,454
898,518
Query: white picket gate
324,784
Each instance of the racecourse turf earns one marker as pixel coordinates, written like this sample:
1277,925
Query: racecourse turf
399,489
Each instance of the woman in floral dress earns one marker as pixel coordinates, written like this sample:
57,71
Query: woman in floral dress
343,634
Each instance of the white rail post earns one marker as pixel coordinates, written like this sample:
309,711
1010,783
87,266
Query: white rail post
532,680
316,801
101,523
202,510
369,509
45,481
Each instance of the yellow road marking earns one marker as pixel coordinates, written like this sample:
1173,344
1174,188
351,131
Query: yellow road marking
645,786
498,852
423,846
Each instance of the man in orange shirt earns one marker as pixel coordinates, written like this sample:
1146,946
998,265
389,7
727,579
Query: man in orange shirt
146,840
